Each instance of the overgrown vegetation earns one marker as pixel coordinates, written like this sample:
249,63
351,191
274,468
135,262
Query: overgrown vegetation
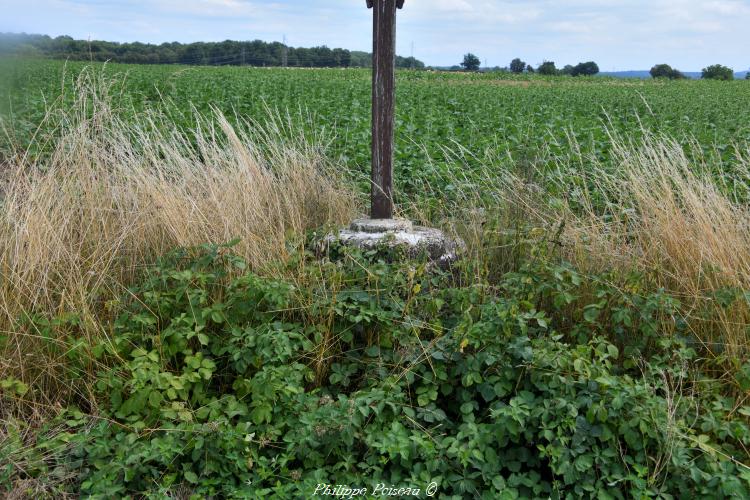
362,372
591,343
77,226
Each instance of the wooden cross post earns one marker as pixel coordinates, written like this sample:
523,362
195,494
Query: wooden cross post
383,104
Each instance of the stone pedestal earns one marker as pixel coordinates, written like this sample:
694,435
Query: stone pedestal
372,233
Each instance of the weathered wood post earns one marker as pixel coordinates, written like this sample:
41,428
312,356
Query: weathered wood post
381,228
383,104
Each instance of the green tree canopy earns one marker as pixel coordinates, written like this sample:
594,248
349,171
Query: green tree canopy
517,66
547,68
471,62
585,69
717,72
666,71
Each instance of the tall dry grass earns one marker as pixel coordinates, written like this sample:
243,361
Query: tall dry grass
657,207
678,220
78,225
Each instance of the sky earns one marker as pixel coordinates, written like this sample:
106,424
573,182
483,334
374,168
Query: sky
617,34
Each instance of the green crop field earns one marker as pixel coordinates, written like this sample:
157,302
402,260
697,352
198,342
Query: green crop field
534,120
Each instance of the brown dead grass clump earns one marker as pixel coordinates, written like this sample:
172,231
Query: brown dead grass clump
670,215
78,225
673,219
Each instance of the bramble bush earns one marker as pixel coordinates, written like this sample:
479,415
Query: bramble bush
366,370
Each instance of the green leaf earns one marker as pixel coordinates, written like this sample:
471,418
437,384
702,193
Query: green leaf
217,316
584,462
613,351
590,314
467,408
155,399
579,365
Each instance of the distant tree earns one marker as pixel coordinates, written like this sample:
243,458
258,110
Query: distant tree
471,62
409,63
192,54
517,66
666,71
529,68
585,69
677,75
717,72
567,70
747,75
341,58
547,68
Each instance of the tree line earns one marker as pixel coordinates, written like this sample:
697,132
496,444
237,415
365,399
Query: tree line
226,53
714,72
518,66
